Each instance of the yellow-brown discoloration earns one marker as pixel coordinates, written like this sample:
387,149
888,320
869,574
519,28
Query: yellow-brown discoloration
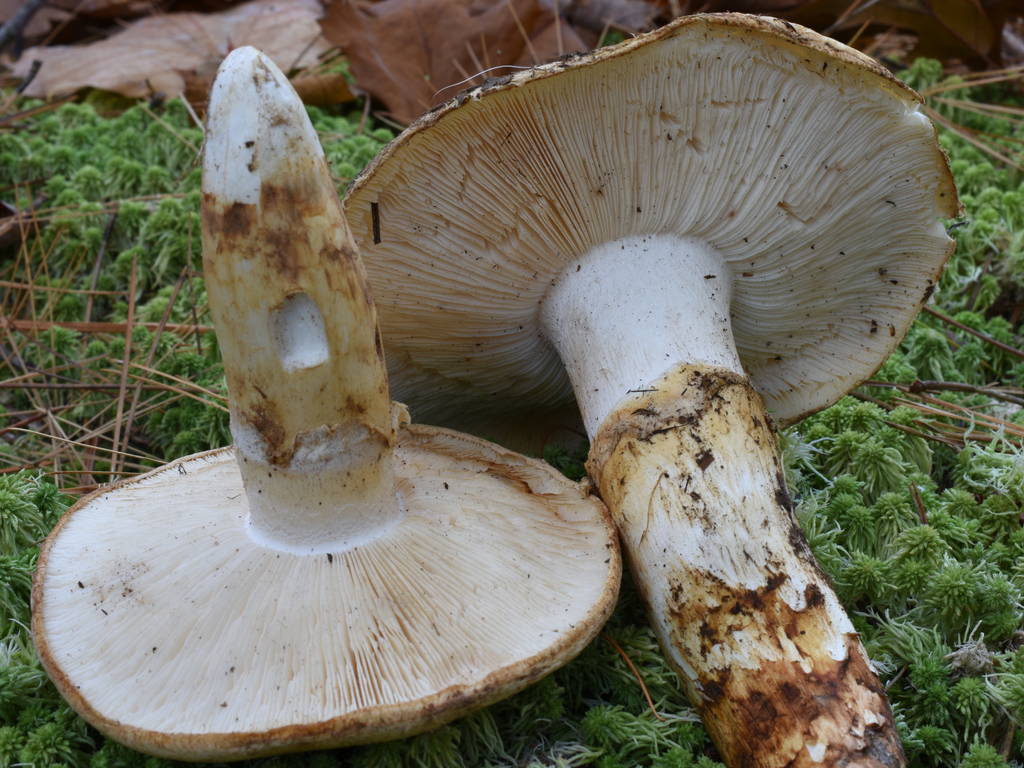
294,240
783,706
771,661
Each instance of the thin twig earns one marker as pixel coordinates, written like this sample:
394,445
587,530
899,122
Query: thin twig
558,26
859,32
931,405
123,391
522,31
982,107
81,386
170,128
49,106
980,78
97,327
636,674
365,115
896,677
130,419
56,289
183,382
967,329
922,513
16,25
969,136
78,442
948,386
97,263
850,9
473,57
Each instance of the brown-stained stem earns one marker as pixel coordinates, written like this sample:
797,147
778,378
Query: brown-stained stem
691,475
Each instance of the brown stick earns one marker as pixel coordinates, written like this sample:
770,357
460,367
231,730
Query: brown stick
97,327
967,329
636,674
79,386
922,513
915,387
123,389
130,419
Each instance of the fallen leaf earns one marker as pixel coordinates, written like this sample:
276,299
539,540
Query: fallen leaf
94,8
548,41
163,54
598,15
967,20
413,54
945,29
42,20
322,90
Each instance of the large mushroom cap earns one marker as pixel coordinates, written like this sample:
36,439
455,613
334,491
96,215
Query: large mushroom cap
168,628
804,163
339,576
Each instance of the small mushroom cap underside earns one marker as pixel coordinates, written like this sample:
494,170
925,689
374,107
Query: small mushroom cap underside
168,629
803,163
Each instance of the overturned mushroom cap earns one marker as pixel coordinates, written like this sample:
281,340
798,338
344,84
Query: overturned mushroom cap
803,163
167,628
340,576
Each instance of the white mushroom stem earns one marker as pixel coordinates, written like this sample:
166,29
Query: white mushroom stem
633,309
686,459
310,412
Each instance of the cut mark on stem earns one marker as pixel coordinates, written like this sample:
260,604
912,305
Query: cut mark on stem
299,333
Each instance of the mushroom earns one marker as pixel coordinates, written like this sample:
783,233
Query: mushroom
726,218
341,576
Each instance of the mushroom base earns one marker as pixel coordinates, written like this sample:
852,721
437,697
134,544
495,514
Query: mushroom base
334,490
691,474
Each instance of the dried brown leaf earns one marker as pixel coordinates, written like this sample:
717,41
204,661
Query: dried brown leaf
968,21
945,29
552,40
40,23
596,15
163,54
323,90
413,54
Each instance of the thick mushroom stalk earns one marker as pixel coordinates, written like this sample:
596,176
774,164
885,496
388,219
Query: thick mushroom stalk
687,462
288,326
